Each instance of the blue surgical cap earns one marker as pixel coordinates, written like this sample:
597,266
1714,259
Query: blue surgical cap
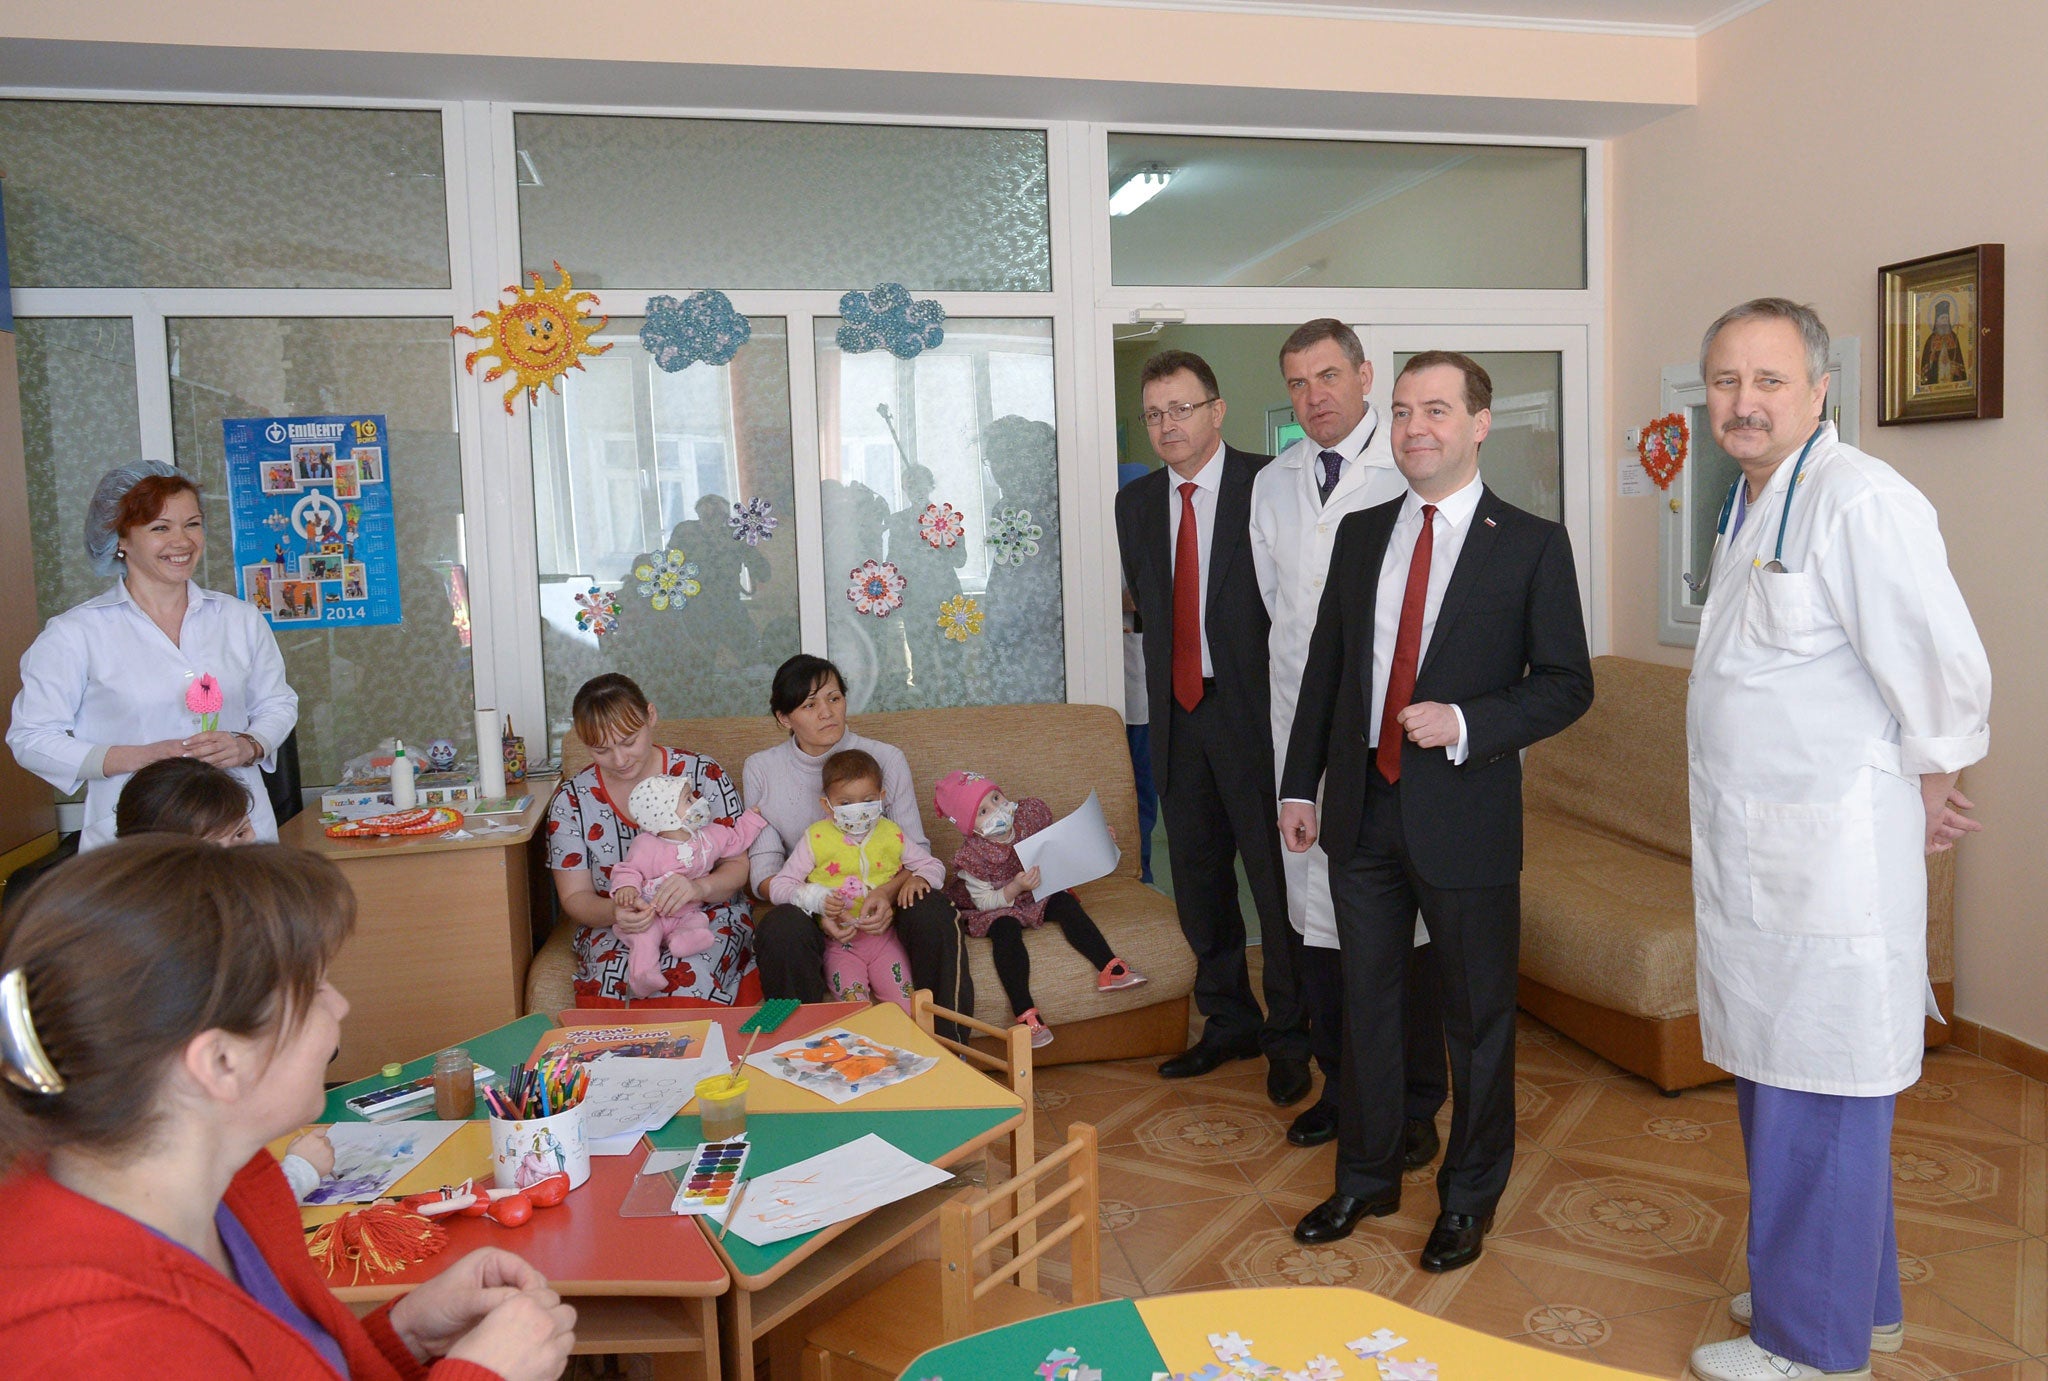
101,540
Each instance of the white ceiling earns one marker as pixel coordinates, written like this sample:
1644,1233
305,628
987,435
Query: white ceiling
1675,17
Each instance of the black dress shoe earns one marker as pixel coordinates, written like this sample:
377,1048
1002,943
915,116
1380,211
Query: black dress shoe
1203,1056
1287,1081
1419,1144
1454,1241
1334,1217
1316,1126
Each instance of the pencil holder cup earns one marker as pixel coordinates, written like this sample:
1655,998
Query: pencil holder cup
525,1151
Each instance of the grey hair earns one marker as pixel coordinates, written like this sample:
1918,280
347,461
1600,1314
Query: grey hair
1811,329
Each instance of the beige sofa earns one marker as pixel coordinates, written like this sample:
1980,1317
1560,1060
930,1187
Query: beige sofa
1607,920
1058,752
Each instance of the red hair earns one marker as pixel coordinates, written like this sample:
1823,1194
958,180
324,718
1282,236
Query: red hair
146,499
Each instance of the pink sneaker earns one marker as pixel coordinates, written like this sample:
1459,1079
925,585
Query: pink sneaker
1041,1034
1116,975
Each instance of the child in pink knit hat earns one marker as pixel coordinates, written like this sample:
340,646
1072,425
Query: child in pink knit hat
993,891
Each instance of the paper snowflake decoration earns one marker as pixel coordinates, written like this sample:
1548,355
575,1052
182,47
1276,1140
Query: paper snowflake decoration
1012,537
1377,1344
942,525
877,588
537,337
703,326
671,581
1394,1369
960,618
597,612
887,319
753,522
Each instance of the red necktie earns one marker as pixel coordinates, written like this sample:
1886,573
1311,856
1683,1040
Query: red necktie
1407,650
1187,605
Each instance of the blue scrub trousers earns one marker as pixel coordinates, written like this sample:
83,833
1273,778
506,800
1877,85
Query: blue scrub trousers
1140,736
1823,1252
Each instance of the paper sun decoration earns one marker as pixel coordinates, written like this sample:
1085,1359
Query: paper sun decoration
203,698
670,581
597,612
1013,536
537,337
888,319
960,618
752,522
877,588
942,525
703,326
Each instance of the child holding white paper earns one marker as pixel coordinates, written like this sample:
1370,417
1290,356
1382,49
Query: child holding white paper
992,889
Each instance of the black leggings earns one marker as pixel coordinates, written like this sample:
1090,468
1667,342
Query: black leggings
1013,964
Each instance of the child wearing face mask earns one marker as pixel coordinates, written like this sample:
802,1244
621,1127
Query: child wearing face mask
678,837
843,861
992,889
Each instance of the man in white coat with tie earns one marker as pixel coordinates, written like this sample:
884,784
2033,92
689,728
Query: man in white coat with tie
1838,688
1344,463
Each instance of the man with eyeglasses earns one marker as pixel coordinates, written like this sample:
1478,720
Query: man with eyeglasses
1184,533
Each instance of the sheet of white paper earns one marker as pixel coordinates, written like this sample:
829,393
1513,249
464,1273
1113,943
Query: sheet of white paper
370,1157
829,1188
1635,480
1072,851
630,1095
840,1065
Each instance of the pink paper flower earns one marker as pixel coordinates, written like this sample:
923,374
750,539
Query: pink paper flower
203,698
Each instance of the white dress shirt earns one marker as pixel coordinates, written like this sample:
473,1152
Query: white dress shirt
1453,521
1208,482
1350,448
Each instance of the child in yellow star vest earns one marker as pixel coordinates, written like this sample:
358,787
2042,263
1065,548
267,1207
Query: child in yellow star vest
852,870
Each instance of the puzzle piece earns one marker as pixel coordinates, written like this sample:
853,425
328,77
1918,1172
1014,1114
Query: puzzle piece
1058,1364
1210,1372
1394,1369
1252,1366
1229,1347
1376,1344
1083,1372
1318,1368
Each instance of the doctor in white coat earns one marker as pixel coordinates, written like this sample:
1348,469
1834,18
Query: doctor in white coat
1838,688
1343,465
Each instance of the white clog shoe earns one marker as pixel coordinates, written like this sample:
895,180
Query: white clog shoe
1740,1359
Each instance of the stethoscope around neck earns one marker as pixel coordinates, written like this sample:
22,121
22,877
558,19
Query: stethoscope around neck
1699,587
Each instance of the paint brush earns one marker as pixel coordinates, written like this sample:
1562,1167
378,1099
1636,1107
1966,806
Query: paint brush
733,1207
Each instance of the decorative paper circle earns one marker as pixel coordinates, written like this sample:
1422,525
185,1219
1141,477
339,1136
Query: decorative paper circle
753,522
537,337
942,525
877,588
960,618
1012,537
426,820
703,326
671,581
597,611
888,319
1663,447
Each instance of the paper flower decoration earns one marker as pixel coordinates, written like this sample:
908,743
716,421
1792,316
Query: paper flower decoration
703,326
960,618
1662,448
877,588
669,581
888,319
942,525
752,522
203,698
1013,536
597,612
537,337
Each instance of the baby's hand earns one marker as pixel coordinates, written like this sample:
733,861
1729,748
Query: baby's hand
315,1149
837,927
1025,881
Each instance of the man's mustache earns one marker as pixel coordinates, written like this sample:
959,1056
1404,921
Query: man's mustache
1756,421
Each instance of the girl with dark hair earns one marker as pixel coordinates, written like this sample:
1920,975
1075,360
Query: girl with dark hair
185,796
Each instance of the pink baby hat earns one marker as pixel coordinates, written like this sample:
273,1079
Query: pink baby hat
958,795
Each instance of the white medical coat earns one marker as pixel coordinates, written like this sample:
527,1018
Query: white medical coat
1819,696
102,674
1293,532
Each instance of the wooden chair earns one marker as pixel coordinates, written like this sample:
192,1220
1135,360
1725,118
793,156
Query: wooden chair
877,1336
1012,1068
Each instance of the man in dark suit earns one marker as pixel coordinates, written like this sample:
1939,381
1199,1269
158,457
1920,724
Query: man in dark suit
1185,537
1449,638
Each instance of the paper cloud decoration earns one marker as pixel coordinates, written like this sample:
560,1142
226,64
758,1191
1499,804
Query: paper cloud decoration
703,326
888,319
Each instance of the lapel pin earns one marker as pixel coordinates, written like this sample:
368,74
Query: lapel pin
1491,523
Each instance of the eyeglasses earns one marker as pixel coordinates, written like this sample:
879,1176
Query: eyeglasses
1179,412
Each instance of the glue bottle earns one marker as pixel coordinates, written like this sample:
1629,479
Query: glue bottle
403,797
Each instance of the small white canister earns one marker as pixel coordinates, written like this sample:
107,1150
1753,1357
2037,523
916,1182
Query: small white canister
526,1151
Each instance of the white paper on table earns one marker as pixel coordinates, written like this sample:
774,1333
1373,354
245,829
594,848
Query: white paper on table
829,1188
840,1049
1071,851
629,1095
370,1157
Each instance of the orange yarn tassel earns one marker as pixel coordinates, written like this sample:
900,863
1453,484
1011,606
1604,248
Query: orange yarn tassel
381,1239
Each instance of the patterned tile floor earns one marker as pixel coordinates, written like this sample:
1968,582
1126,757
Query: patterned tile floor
1622,1233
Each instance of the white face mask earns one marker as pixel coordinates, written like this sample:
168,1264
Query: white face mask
998,825
697,815
858,818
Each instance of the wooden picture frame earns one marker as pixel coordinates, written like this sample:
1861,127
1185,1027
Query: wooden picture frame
1942,354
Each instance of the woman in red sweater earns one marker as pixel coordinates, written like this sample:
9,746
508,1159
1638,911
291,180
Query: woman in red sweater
164,1014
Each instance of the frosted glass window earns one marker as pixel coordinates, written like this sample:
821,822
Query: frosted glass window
1311,213
631,462
356,686
969,424
648,202
78,420
118,194
1709,472
1522,458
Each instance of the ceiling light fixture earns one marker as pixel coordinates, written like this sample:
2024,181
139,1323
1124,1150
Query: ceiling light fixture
1139,188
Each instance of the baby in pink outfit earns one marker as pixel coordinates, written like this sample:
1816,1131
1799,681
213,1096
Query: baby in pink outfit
677,838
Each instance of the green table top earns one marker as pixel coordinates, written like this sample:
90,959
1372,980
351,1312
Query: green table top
500,1051
1110,1337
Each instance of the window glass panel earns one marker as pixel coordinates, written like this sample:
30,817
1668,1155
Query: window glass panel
115,194
649,202
1334,213
78,420
357,686
1709,471
1522,459
969,424
630,462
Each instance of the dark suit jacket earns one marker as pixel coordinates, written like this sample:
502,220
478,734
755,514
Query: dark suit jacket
1509,650
1234,616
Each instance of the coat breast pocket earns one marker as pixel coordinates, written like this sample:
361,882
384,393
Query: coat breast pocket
1787,610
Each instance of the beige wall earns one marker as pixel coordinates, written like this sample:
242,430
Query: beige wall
1833,136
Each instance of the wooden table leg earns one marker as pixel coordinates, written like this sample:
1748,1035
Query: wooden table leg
736,1333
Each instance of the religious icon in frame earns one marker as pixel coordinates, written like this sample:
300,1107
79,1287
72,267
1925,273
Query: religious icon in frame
1943,356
